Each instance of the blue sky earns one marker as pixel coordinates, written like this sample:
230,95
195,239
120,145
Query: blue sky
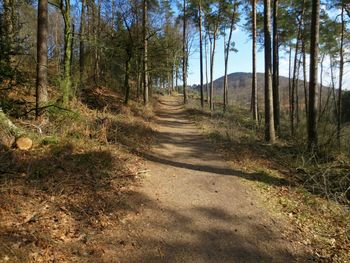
238,62
242,60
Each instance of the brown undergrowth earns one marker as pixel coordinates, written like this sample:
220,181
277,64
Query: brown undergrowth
58,200
287,182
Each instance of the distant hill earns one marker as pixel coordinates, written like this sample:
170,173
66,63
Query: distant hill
240,85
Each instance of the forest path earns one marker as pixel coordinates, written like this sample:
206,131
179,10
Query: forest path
193,207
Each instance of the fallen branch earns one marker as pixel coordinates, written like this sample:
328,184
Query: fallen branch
45,107
8,125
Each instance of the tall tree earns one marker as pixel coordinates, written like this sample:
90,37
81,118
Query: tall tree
42,52
254,100
145,52
206,67
67,57
228,48
213,23
314,54
295,87
82,44
184,51
275,82
8,30
341,73
269,121
201,50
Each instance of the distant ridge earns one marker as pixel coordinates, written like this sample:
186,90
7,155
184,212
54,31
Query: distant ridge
240,85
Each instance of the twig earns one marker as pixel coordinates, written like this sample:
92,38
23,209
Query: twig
35,126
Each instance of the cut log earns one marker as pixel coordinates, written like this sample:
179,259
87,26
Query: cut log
10,133
24,143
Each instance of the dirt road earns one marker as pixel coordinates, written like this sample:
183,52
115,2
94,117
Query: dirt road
194,208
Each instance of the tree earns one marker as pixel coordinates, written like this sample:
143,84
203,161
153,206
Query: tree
275,81
228,47
213,23
42,51
314,54
184,51
254,100
145,52
200,50
269,121
82,44
341,74
67,56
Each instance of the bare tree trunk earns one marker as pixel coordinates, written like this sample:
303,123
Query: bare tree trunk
227,52
96,44
341,74
42,52
184,50
67,82
139,57
212,69
320,102
206,68
82,44
8,30
304,77
254,101
294,92
314,53
297,93
145,53
176,78
269,121
275,84
290,84
126,80
201,51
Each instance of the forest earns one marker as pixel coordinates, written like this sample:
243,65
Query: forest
100,127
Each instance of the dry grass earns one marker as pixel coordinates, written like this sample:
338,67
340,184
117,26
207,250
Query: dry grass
307,191
58,200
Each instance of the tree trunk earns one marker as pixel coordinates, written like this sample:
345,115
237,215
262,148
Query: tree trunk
212,70
227,52
304,77
294,93
275,84
341,74
145,53
290,83
67,82
254,75
82,44
126,80
297,93
206,68
201,51
314,53
320,102
269,121
96,10
176,78
184,50
42,52
8,30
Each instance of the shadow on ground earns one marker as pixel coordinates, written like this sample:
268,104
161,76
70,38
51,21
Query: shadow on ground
203,243
53,202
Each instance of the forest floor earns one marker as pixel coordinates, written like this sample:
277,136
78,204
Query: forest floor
111,183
